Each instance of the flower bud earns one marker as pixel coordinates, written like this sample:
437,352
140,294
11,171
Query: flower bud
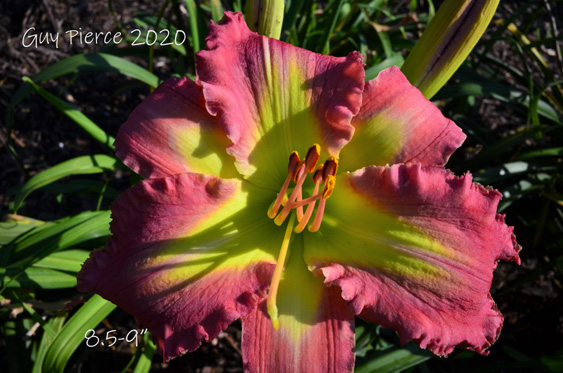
265,17
446,43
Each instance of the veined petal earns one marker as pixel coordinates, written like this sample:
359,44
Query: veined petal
316,331
272,98
413,248
397,124
189,254
171,132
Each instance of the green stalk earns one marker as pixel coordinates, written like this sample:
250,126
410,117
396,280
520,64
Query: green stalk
192,11
265,17
446,43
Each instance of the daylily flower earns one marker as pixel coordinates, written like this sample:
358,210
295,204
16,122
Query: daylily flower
364,221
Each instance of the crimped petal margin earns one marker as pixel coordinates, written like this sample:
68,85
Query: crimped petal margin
397,124
171,132
413,248
272,98
188,256
316,331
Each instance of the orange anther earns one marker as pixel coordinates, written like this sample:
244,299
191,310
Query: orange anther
299,170
293,161
318,175
312,157
329,186
330,167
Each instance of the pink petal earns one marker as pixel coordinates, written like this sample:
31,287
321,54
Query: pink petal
414,249
171,132
272,98
316,332
397,124
187,257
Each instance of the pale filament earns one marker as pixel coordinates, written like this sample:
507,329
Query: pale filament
299,209
302,175
318,217
311,201
293,163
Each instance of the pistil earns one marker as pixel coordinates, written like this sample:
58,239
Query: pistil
298,171
274,285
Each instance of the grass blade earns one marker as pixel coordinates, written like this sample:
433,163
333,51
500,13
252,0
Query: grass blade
72,334
216,10
81,63
76,115
36,278
145,360
55,323
88,164
395,360
324,45
194,18
63,234
16,225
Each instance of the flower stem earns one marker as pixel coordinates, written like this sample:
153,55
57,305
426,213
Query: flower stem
274,285
265,17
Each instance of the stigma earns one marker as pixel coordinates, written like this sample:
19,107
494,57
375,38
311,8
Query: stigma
323,175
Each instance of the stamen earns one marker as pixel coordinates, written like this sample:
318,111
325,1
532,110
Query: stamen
298,170
329,186
311,160
309,212
293,162
299,208
303,168
301,175
327,191
318,217
330,167
312,157
307,201
318,175
274,285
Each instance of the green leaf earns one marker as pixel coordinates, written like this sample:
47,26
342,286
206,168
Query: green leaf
373,71
335,9
88,164
56,236
194,20
36,278
73,113
55,323
82,63
68,260
73,333
216,10
145,360
16,225
395,359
